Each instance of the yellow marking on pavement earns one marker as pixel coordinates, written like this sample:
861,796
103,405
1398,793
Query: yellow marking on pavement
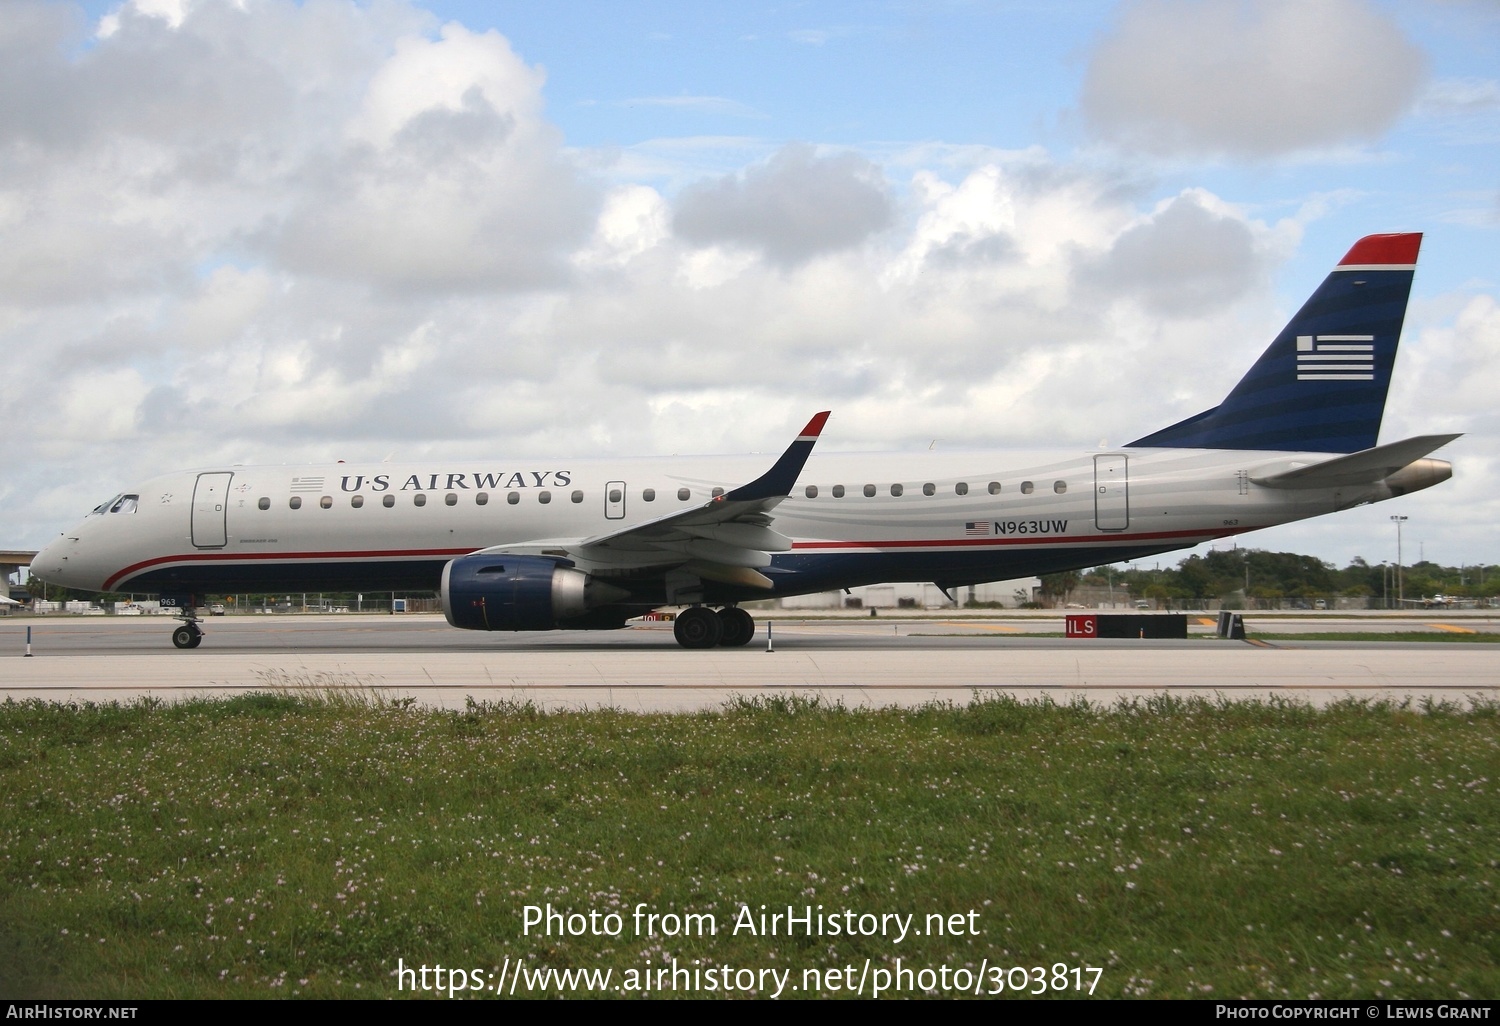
1453,628
1207,621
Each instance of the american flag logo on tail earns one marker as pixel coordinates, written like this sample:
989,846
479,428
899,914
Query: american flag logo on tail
1335,357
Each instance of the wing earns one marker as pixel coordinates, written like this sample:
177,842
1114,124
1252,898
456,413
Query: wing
728,539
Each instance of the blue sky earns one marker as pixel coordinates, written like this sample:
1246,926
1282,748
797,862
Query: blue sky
274,231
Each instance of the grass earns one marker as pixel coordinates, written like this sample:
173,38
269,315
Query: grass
273,845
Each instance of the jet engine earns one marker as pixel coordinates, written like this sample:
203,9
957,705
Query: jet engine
503,592
1417,475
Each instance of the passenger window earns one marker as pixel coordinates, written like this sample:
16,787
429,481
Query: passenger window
578,497
615,495
717,492
838,491
512,497
482,499
994,487
897,490
544,497
649,495
387,501
1059,486
295,502
326,502
869,491
962,488
929,488
451,499
1027,487
812,491
264,503
683,494
420,499
356,501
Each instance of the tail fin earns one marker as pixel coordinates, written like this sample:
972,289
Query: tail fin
1321,385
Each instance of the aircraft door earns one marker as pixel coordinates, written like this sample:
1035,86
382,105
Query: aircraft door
614,500
1111,492
211,511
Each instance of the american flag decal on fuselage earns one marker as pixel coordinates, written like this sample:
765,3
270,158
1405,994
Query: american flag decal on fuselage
1335,357
977,529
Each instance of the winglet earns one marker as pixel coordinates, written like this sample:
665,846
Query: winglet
777,482
814,427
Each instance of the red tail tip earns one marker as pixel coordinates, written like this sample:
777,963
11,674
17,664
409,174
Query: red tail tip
1398,249
815,426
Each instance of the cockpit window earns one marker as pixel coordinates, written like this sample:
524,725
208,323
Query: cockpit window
104,506
125,504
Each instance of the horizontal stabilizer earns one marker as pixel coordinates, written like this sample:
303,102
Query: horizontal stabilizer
1365,467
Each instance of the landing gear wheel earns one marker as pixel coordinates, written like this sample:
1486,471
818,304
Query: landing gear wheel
187,636
698,627
739,627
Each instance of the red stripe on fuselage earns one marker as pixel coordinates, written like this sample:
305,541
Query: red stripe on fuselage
921,543
1031,539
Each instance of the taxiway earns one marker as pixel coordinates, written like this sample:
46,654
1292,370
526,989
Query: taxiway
855,661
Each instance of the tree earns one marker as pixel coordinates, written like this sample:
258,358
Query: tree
1057,587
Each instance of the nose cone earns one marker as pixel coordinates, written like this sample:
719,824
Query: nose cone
48,562
58,563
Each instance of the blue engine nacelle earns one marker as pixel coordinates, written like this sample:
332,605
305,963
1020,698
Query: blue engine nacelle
512,593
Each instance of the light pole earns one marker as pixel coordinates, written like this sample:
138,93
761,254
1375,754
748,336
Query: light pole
1400,584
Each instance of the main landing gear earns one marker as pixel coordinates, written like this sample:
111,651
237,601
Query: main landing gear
189,635
701,627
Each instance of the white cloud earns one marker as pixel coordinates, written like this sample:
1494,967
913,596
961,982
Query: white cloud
635,219
1259,80
1461,95
457,72
797,205
1191,255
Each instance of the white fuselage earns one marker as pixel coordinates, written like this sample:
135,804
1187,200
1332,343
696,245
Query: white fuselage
857,518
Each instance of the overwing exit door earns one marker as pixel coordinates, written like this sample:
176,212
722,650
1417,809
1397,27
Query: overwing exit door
614,500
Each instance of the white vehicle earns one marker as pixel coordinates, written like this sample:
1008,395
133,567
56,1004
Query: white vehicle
588,544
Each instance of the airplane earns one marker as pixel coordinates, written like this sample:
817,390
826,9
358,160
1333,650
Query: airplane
590,544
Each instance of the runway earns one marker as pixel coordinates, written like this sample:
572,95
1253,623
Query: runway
853,661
